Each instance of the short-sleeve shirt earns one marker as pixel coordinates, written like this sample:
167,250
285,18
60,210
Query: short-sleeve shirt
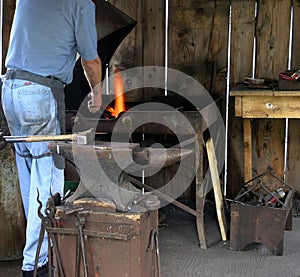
46,36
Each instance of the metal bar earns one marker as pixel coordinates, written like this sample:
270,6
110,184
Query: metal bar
163,196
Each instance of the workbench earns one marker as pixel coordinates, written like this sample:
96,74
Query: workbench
261,224
260,104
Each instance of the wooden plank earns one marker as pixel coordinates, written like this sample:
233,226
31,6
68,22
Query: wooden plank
242,40
293,155
153,40
270,107
272,33
296,36
268,147
241,63
247,150
217,58
190,24
154,32
213,166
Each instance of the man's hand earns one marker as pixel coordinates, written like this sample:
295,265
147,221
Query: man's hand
94,104
93,73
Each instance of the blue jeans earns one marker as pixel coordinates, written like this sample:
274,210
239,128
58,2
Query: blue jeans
30,109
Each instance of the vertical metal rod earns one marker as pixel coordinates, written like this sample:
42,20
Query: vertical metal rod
81,221
166,46
289,68
227,104
291,37
107,77
254,44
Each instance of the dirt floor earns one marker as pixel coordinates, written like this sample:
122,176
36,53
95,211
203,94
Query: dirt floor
180,255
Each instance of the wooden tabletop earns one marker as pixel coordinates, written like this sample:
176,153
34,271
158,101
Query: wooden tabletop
265,103
243,90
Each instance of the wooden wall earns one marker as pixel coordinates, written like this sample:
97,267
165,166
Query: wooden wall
198,39
8,7
198,46
270,25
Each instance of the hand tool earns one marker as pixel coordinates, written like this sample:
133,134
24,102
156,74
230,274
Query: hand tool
48,221
81,138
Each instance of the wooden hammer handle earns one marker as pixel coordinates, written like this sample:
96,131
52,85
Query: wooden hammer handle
39,138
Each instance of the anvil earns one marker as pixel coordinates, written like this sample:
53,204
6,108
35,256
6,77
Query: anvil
104,168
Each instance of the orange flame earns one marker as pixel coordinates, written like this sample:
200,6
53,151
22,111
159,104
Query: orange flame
119,95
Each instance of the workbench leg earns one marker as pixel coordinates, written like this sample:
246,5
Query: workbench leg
247,150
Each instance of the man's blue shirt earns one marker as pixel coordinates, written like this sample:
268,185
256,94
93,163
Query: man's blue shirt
48,45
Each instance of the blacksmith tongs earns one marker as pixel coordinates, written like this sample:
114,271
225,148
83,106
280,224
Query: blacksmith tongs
46,224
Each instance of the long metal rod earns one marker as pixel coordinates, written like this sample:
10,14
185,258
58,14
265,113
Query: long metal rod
166,46
227,104
163,196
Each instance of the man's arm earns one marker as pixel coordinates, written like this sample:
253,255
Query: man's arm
93,73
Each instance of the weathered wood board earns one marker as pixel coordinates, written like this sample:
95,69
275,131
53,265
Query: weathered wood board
293,151
241,65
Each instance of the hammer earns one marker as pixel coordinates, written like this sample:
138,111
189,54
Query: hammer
81,138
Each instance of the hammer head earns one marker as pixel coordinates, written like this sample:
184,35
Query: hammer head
85,137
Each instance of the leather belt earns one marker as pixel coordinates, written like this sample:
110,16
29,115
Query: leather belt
48,81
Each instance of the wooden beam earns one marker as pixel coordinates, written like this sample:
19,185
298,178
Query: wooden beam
213,166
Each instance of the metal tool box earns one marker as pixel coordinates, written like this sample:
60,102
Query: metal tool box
258,223
93,241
